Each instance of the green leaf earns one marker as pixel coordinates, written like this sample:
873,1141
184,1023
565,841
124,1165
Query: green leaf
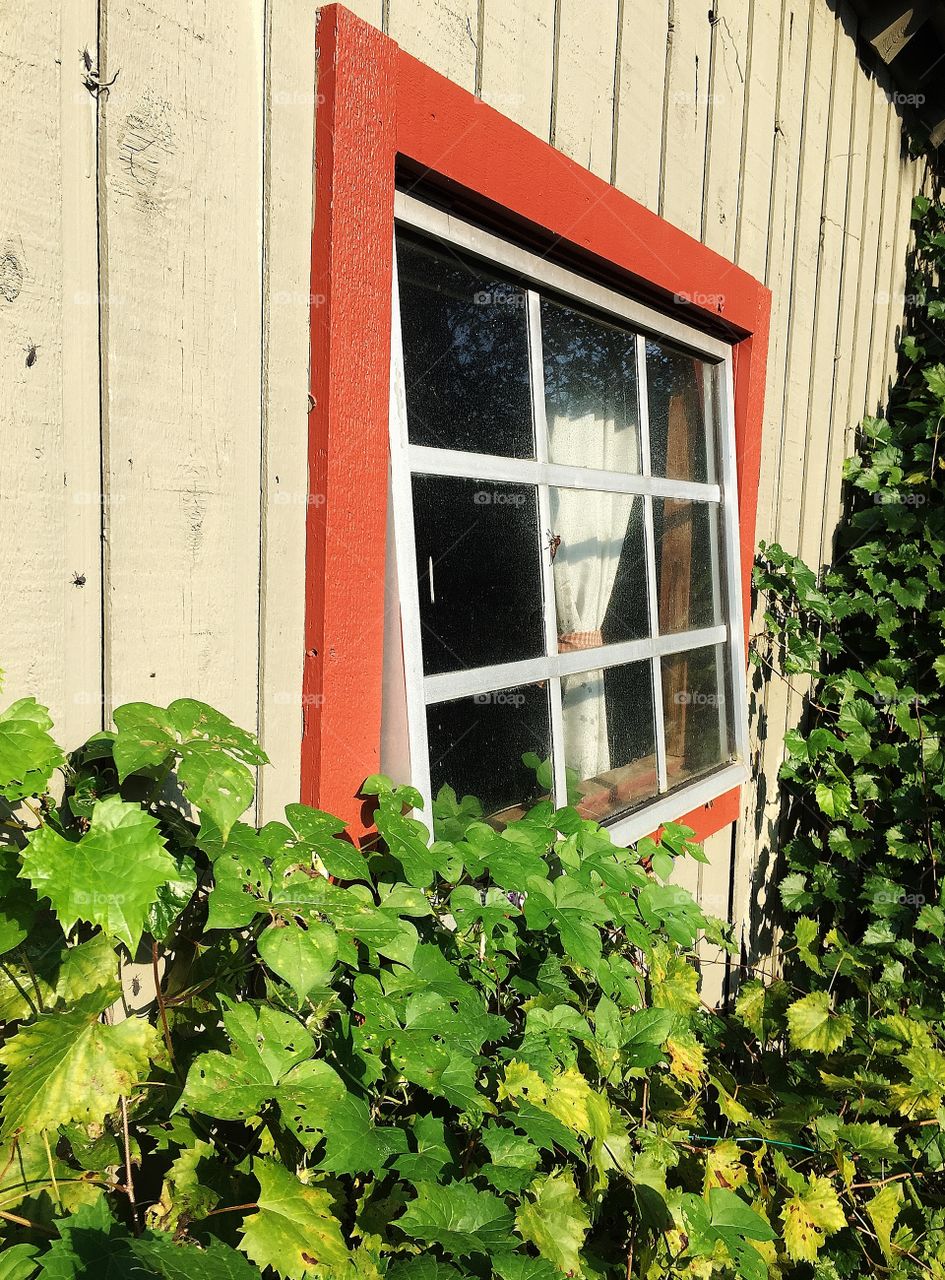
833,798
267,1045
423,1269
215,783
28,754
67,1066
461,1219
303,957
555,1220
295,1228
813,1025
355,1145
18,1261
110,877
145,739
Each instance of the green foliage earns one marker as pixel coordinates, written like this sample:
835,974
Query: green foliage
864,777
478,1052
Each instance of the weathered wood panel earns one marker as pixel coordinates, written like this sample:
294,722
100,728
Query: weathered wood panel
290,89
517,61
50,512
182,226
685,115
640,94
583,106
442,33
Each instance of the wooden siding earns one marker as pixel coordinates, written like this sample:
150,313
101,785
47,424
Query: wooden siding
156,251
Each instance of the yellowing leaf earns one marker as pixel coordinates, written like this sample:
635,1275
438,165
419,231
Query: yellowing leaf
809,1217
294,1231
883,1211
554,1221
522,1081
572,1101
67,1067
724,1168
686,1058
813,1025
674,982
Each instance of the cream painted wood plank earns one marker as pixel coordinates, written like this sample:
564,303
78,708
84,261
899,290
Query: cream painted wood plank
638,110
726,120
901,186
182,222
841,416
685,115
442,33
49,510
803,416
757,830
866,291
287,207
758,137
81,357
837,248
714,894
371,11
585,68
877,382
517,62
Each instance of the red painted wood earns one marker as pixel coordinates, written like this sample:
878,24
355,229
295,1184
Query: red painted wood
352,249
380,108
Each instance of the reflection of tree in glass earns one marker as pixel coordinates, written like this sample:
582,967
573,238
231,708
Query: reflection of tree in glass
590,369
465,337
677,430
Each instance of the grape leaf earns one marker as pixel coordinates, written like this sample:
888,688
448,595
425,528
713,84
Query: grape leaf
555,1221
28,754
66,1066
813,1025
110,877
458,1217
294,1230
303,957
809,1216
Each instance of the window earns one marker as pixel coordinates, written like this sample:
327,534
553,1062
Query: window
565,536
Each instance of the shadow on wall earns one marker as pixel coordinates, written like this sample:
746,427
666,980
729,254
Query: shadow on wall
778,815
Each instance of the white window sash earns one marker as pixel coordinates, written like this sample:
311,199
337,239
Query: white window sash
727,637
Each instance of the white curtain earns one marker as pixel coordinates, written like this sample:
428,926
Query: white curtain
592,527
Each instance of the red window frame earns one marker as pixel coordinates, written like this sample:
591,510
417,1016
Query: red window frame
381,114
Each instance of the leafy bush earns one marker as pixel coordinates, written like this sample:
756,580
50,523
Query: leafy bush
482,1056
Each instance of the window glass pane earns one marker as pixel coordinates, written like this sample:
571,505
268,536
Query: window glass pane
479,570
696,713
494,746
681,401
688,564
591,403
609,743
465,335
598,559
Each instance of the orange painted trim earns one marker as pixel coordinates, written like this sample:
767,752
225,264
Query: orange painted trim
380,111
